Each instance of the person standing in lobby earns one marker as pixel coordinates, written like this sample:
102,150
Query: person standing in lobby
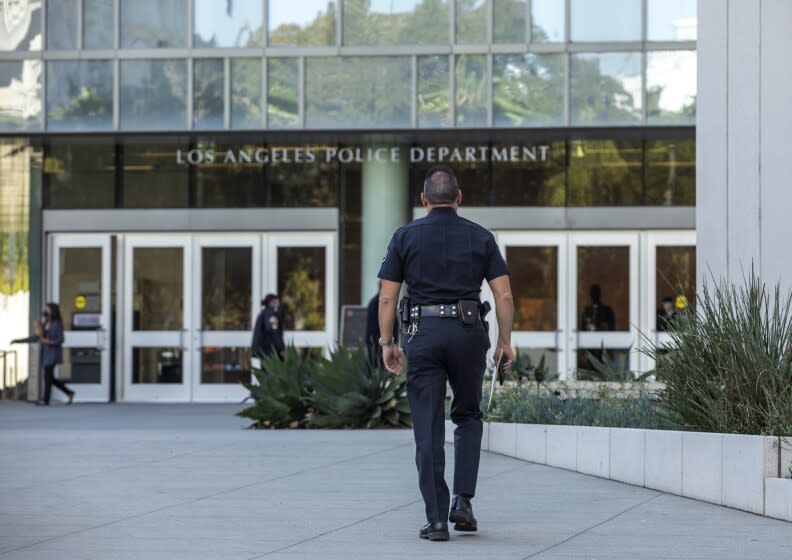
50,336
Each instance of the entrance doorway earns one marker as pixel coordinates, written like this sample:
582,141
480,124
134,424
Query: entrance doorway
582,297
186,308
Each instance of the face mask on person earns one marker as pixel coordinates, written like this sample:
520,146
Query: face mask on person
45,314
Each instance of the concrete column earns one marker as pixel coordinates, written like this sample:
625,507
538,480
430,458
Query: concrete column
744,168
385,208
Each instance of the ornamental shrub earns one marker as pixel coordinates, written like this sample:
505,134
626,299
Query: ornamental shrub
728,367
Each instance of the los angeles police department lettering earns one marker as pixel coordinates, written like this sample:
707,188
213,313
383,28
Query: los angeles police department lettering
347,155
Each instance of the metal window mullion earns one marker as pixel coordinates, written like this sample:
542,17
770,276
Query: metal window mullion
190,23
489,90
264,97
644,61
528,23
44,30
567,89
190,92
452,89
567,21
301,91
265,23
227,93
491,22
116,24
80,14
414,91
452,21
116,94
340,24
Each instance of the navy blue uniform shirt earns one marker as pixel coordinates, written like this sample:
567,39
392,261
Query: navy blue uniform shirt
442,257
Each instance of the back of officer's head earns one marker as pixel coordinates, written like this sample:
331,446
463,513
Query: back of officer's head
440,186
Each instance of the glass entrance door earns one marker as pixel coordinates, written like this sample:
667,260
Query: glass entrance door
228,290
80,284
158,290
603,309
539,289
575,298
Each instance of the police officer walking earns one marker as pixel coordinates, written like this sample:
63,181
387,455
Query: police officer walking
268,331
444,259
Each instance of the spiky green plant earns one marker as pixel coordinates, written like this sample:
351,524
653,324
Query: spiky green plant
282,394
348,393
728,367
606,368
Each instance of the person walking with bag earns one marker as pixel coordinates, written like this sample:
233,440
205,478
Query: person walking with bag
50,336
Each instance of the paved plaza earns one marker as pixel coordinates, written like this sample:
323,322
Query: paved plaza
118,482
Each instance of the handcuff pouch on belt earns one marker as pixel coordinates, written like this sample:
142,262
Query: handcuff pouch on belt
468,312
406,315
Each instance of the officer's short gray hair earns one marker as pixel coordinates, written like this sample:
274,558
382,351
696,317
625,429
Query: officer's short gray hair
440,186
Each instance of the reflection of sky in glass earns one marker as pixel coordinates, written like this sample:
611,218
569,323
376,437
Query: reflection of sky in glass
674,74
302,13
548,16
229,23
671,20
393,6
606,20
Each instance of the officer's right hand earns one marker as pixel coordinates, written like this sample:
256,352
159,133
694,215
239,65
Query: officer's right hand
508,355
393,359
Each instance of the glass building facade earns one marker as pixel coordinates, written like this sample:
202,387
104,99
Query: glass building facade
562,118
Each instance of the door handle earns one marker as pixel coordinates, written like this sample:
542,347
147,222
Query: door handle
100,339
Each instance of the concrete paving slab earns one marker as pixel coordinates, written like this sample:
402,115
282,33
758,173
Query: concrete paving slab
187,481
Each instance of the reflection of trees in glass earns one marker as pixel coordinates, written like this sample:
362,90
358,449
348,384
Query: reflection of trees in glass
471,21
14,276
433,91
509,23
599,98
153,93
321,31
246,93
528,90
671,173
471,90
605,173
426,24
301,287
86,105
357,92
657,115
531,183
310,184
208,93
283,96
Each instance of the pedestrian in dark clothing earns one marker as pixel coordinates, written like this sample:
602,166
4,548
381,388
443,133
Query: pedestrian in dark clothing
444,259
50,336
268,331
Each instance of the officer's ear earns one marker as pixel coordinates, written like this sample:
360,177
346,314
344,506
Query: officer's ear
424,201
459,198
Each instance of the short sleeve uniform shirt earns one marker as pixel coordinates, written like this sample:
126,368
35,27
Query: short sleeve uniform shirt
443,258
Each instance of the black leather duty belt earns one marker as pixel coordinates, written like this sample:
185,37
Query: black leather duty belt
450,311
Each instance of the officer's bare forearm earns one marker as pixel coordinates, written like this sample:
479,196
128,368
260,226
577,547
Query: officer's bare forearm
504,311
504,308
387,307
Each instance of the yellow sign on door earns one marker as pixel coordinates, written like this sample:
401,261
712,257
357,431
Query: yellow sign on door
79,302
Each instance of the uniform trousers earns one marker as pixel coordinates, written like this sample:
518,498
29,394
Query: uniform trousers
441,350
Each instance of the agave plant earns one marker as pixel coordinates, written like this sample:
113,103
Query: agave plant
282,394
349,393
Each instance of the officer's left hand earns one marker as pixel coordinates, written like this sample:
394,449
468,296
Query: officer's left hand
393,359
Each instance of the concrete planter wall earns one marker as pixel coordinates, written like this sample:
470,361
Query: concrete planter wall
725,469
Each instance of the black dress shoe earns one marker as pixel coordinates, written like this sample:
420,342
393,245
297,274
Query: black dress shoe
462,515
435,531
